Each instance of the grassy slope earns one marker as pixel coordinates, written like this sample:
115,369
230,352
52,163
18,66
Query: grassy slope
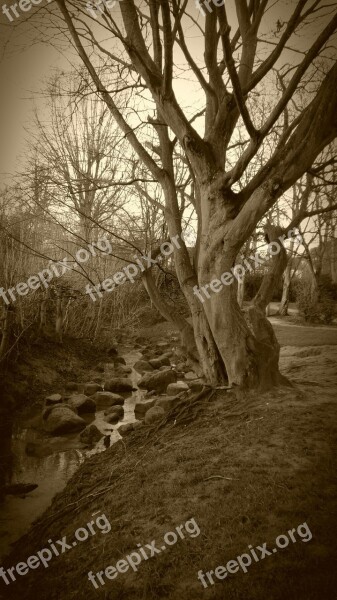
278,453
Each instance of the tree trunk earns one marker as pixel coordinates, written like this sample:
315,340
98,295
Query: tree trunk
7,328
241,290
43,313
245,340
98,321
284,304
59,317
333,259
314,290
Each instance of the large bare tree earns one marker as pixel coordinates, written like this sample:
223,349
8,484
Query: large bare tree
146,45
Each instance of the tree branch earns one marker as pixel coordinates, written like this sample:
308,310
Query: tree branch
137,146
237,91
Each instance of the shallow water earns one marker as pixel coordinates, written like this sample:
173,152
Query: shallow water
57,461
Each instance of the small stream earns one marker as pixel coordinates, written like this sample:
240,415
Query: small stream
55,463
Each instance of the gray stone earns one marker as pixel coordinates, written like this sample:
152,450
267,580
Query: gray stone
190,376
113,418
196,385
91,388
125,429
82,404
142,366
137,425
46,412
109,366
168,403
123,370
154,415
175,388
118,384
158,381
53,399
107,399
114,414
141,408
118,410
162,361
90,435
119,360
63,420
141,340
112,351
162,345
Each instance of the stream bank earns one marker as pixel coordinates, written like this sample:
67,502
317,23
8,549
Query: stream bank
247,468
50,461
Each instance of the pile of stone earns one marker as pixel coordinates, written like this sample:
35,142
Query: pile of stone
166,379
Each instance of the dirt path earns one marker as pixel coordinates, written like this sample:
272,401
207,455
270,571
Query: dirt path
287,334
300,335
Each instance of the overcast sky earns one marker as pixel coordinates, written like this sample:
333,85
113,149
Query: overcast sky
28,63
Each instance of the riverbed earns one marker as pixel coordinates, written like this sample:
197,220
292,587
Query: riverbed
53,462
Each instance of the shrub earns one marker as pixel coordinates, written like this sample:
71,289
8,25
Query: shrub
321,309
327,299
252,286
306,304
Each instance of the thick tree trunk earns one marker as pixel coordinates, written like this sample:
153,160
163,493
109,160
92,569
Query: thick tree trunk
234,340
245,340
209,356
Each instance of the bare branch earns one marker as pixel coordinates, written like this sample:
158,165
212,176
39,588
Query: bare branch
138,147
225,29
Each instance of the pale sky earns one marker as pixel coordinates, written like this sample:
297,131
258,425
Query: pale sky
27,64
